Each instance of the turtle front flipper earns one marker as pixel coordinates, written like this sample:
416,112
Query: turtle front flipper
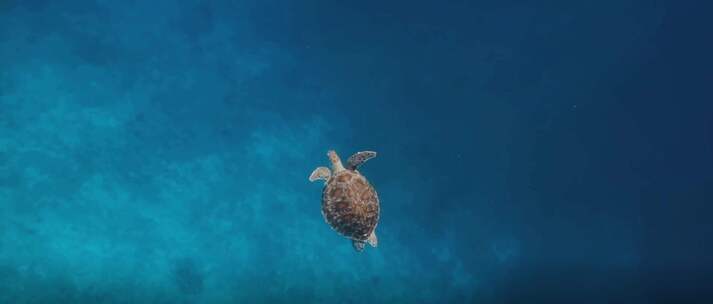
358,245
359,158
321,173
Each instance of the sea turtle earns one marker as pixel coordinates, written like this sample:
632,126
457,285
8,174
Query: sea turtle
350,204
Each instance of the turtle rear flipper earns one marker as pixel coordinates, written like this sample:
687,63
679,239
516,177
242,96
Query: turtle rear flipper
358,245
322,173
359,158
372,240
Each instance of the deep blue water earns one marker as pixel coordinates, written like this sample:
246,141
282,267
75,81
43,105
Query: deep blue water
529,152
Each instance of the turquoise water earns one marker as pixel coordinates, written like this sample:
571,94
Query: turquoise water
159,151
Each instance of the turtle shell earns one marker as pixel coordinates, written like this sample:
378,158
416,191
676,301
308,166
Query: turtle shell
350,205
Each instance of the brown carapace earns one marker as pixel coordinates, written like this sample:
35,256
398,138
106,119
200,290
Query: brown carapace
350,204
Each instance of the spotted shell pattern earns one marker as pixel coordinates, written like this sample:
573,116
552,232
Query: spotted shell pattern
350,205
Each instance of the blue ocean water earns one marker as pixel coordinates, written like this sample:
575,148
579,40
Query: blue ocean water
158,151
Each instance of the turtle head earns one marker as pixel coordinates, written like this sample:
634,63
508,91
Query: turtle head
336,162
